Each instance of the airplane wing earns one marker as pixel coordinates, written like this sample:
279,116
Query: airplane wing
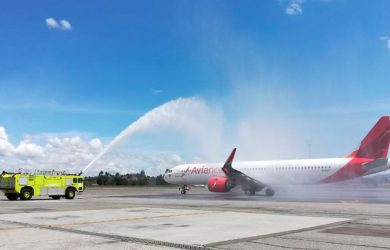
238,178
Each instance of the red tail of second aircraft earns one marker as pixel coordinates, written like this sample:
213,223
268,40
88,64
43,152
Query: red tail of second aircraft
376,143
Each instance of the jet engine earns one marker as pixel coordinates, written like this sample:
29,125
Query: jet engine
219,184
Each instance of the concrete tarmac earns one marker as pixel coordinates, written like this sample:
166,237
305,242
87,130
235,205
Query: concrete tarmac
309,217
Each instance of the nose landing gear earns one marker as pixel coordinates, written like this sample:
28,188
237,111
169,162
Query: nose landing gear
183,189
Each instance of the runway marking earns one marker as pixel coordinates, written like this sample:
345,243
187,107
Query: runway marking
104,221
10,228
352,201
330,242
143,241
281,246
126,218
244,239
348,230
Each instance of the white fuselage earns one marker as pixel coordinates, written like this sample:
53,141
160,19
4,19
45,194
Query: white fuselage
307,171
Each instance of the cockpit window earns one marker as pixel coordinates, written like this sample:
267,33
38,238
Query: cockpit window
168,171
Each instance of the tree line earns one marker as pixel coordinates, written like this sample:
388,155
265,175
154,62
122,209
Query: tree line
137,179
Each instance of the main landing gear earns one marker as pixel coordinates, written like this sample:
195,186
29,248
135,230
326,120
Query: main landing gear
269,192
183,189
252,192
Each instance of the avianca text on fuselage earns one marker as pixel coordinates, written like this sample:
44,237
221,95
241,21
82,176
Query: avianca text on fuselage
201,169
253,176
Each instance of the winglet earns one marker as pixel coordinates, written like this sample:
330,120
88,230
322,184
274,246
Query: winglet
227,167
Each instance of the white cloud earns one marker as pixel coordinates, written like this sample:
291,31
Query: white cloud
3,134
192,119
386,40
66,24
294,7
6,148
96,143
54,24
73,153
28,150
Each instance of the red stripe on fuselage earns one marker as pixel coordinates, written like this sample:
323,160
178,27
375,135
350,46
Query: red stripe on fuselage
352,169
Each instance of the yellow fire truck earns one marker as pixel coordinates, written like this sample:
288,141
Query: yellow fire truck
45,183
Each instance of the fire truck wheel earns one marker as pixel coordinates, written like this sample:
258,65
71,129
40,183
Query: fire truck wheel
26,194
12,196
56,197
70,193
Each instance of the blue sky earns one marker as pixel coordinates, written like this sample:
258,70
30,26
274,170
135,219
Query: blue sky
329,60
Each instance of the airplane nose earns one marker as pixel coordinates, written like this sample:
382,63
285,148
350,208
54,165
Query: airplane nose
166,177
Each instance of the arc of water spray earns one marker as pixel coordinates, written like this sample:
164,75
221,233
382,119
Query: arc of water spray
165,114
107,148
131,129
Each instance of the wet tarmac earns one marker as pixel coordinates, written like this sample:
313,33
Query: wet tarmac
349,216
309,193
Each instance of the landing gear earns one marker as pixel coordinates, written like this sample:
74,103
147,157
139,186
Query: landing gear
269,192
250,191
183,189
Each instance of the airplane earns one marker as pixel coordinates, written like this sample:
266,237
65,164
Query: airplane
254,176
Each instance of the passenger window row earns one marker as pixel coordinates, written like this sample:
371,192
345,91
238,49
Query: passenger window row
292,168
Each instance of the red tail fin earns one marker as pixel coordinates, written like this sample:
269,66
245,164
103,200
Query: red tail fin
376,143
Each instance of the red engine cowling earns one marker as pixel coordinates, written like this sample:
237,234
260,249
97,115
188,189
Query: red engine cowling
219,184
